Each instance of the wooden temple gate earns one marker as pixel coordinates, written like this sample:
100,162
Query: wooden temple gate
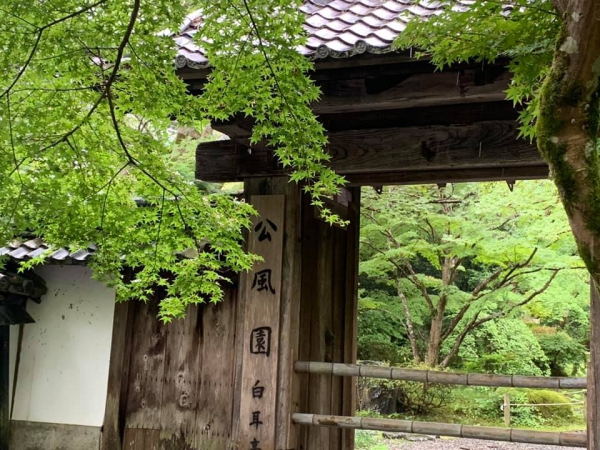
224,378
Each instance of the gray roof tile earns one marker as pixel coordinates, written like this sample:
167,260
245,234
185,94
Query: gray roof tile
335,28
24,251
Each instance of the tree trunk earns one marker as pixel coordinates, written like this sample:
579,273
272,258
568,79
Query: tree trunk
567,136
567,129
435,340
409,327
434,345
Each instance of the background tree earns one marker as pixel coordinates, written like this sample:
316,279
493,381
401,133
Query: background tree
554,53
458,257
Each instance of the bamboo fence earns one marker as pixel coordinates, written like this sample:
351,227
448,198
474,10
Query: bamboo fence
568,439
431,376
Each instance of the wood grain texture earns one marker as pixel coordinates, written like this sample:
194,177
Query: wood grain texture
118,377
144,399
338,306
375,152
181,366
287,381
194,355
321,336
310,243
214,411
416,90
4,386
261,323
351,309
593,383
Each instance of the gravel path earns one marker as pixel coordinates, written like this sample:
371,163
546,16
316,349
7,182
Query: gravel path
468,444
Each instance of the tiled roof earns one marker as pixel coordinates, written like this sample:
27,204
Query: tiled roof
24,251
20,251
336,28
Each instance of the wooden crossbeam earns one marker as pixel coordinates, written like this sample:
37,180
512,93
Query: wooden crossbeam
418,90
432,376
402,155
568,439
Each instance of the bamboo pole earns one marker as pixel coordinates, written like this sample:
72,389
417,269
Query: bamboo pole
430,376
443,429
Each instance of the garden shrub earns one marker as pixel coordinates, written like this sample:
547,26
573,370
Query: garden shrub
565,355
374,348
550,413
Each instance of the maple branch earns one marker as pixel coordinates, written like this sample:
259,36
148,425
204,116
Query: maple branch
476,322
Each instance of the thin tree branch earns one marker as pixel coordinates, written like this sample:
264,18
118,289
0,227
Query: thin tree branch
36,43
476,322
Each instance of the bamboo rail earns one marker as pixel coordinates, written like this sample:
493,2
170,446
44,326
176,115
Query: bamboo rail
444,429
430,376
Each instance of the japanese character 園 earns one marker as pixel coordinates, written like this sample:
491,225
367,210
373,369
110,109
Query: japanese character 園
260,341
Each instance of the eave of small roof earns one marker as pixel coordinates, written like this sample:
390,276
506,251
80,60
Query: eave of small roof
335,28
19,251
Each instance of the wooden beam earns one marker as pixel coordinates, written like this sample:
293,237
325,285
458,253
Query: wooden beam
424,89
113,429
438,377
537,172
375,154
239,128
462,114
593,373
4,388
567,439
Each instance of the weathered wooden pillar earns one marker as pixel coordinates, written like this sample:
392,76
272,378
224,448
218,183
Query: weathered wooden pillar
269,303
4,388
593,391
299,303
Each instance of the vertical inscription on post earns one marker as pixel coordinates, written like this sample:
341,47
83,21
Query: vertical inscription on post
262,296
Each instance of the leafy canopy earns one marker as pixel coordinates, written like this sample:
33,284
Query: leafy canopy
461,256
88,98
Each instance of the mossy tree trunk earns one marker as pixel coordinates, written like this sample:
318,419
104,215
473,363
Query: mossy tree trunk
567,129
567,134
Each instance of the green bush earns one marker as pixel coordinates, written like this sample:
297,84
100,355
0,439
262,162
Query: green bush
374,348
565,355
550,413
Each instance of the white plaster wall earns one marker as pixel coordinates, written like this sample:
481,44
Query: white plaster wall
65,355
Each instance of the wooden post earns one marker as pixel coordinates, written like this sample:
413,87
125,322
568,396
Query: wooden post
113,428
593,391
261,331
4,381
506,410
